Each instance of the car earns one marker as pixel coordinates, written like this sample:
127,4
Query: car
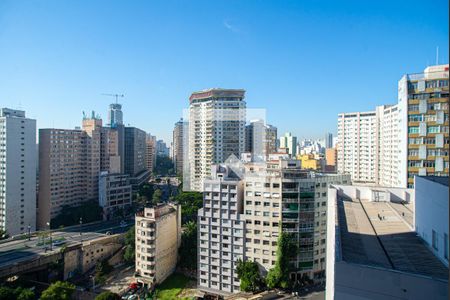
123,224
58,242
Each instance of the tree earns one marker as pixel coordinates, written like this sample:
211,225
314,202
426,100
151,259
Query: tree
19,293
129,245
190,203
90,211
248,274
107,296
163,165
286,250
24,294
145,193
101,270
157,197
188,247
58,291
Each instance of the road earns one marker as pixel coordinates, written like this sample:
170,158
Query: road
20,250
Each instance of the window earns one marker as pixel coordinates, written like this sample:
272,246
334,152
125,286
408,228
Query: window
413,129
433,129
434,240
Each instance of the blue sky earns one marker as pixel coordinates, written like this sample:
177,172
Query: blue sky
303,61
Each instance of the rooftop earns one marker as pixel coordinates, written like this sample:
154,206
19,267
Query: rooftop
439,179
380,234
217,93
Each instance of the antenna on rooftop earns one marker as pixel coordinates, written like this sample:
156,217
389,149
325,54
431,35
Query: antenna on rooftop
437,55
115,96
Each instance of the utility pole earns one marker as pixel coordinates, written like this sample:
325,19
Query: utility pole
81,223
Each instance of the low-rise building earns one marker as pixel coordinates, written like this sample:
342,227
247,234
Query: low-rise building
114,194
373,251
158,237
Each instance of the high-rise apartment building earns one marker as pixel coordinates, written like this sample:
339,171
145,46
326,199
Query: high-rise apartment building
178,146
394,143
158,237
261,200
93,129
216,131
388,141
17,172
289,143
150,152
260,139
282,196
63,172
424,134
271,139
358,146
221,231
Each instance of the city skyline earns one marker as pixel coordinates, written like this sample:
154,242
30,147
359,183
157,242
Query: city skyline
160,62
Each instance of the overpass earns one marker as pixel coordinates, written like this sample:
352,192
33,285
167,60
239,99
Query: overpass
79,249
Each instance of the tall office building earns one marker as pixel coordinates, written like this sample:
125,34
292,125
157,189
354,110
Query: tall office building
221,231
158,237
136,156
216,131
289,143
135,149
17,172
150,152
357,146
328,140
423,113
115,115
178,146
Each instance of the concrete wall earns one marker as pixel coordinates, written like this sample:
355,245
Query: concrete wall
431,212
355,282
83,258
366,192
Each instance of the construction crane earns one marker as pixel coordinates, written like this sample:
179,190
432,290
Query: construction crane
115,96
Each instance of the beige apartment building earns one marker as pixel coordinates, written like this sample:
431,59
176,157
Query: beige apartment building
62,172
93,129
330,159
158,237
282,196
70,161
247,206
